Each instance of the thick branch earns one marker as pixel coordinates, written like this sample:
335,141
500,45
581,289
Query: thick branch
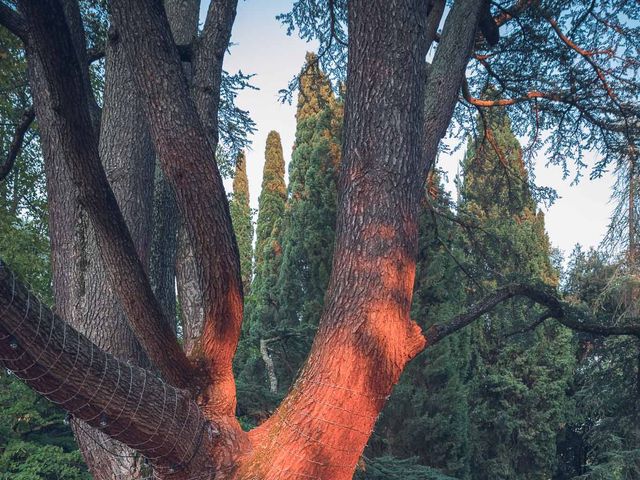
207,63
16,143
13,21
187,157
568,315
448,67
51,41
124,401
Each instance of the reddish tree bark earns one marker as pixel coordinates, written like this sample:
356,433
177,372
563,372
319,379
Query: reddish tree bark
396,113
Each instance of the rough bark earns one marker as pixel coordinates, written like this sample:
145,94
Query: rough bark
365,335
204,79
188,160
183,21
63,67
128,159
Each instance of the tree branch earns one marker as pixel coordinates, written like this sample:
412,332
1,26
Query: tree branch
16,144
565,313
185,147
503,102
13,21
513,12
207,63
449,63
63,72
58,362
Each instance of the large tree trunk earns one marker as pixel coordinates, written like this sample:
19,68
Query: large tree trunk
81,293
365,336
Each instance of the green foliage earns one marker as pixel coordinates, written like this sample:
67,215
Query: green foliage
309,221
254,396
35,443
390,468
241,219
262,303
602,439
517,388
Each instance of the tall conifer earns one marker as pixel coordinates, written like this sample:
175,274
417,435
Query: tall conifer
518,383
260,327
309,222
241,218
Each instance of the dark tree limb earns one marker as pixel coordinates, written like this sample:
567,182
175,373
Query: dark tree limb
126,402
16,144
51,41
513,12
449,63
568,315
186,152
207,63
13,21
96,53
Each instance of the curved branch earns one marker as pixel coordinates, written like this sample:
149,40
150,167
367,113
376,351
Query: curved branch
565,313
126,402
185,135
13,21
503,102
16,144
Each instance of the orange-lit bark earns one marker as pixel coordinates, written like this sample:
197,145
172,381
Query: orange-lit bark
365,336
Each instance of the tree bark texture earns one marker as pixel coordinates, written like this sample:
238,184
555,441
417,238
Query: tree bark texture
187,157
128,160
49,36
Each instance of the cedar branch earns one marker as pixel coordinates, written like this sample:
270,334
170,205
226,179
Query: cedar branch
567,314
63,365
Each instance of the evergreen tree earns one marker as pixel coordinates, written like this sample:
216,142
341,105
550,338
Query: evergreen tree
309,222
257,390
602,438
427,416
241,218
272,197
518,383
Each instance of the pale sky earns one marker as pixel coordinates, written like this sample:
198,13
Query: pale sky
580,215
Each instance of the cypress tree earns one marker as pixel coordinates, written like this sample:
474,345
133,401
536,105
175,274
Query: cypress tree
517,383
272,197
254,384
241,218
309,221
